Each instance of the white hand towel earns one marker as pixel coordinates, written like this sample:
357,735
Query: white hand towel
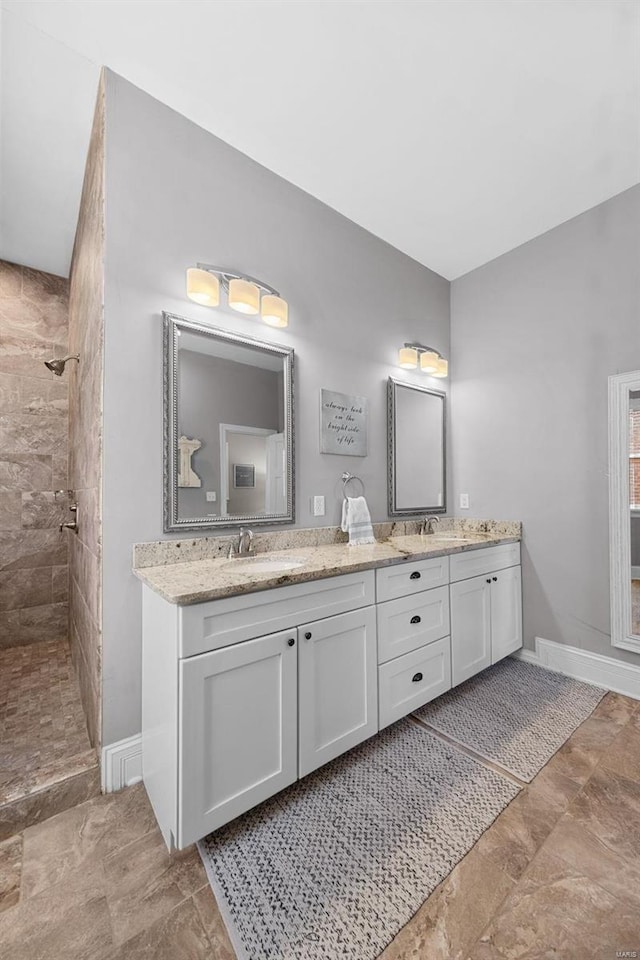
356,520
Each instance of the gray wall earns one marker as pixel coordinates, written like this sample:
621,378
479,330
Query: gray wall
175,195
215,390
535,334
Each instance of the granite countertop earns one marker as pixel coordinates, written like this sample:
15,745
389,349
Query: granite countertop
216,578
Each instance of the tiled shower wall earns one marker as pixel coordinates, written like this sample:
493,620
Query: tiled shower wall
85,430
33,457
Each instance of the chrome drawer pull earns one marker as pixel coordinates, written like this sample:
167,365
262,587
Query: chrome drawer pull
416,678
416,619
415,575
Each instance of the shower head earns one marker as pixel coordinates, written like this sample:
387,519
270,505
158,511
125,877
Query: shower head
57,366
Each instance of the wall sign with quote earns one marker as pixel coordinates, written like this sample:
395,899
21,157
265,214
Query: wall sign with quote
244,475
343,424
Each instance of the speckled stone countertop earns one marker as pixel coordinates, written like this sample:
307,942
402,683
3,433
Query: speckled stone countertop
194,581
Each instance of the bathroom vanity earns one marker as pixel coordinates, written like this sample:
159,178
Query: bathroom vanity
251,681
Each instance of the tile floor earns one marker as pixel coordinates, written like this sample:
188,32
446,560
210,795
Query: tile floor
46,760
556,876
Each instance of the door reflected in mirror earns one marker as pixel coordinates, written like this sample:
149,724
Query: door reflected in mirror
228,449
417,469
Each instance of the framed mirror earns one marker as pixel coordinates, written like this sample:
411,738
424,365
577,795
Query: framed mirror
624,509
228,428
417,460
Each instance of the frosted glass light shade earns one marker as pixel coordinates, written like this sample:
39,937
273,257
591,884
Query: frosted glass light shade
244,296
429,361
443,369
407,358
203,287
275,311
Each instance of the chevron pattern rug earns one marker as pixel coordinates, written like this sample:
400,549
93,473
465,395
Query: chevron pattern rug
334,866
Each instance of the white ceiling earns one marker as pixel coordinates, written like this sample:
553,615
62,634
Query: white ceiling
454,129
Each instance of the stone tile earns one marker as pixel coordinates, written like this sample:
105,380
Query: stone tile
614,706
82,835
455,914
43,288
556,911
10,279
10,399
623,756
587,854
86,575
87,628
26,471
48,398
43,510
33,809
22,433
22,550
518,833
609,807
144,882
25,588
10,507
60,584
60,469
89,519
221,947
10,872
69,921
178,936
34,624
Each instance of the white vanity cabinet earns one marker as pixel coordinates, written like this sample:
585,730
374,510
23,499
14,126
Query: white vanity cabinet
338,696
243,695
486,609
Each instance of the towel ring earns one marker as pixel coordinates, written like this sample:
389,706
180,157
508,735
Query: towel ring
346,480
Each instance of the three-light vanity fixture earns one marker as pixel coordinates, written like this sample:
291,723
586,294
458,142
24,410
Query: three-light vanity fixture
430,361
244,294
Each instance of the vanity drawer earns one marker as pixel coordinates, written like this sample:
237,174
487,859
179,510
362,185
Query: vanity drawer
408,682
403,579
411,622
219,623
473,563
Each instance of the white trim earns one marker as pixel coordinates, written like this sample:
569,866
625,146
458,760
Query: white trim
122,764
619,526
583,665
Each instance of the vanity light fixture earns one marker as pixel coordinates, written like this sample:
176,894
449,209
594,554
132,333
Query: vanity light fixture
414,355
244,294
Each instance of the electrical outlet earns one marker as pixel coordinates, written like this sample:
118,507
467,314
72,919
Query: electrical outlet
318,506
211,496
464,501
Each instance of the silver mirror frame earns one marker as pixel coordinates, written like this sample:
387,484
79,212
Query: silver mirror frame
172,325
392,385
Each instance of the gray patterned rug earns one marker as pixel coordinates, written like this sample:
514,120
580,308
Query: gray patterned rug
334,866
514,713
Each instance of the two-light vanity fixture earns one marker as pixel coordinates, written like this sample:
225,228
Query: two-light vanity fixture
244,294
430,361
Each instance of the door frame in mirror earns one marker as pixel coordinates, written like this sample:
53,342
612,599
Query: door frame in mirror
172,325
392,384
619,511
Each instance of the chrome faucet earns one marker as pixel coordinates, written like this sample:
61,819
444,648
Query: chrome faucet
427,525
244,546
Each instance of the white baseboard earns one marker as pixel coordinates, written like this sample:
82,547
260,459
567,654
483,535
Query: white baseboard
583,665
122,764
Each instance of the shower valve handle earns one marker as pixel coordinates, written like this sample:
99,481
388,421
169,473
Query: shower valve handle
70,525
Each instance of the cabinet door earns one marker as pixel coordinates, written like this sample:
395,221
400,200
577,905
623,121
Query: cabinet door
470,627
237,739
506,612
338,688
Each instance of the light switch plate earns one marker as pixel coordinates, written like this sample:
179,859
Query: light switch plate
464,501
211,496
318,506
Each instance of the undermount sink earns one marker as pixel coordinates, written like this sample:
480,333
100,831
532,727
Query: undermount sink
264,564
436,536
